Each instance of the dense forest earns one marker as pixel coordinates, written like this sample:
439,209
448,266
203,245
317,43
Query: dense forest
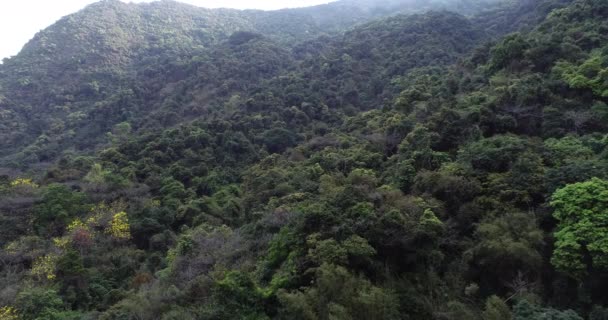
399,159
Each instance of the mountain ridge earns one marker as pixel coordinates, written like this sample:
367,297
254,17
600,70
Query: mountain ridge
104,45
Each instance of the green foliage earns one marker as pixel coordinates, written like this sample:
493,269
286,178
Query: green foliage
581,210
567,150
496,309
307,163
331,252
58,206
524,310
598,313
510,50
277,140
496,154
592,74
238,297
417,146
39,304
337,294
512,242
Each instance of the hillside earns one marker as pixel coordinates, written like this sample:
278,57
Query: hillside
102,62
353,163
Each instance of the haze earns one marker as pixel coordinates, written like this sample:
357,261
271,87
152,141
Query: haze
20,20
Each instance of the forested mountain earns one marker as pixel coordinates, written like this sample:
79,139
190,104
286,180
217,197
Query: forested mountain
101,66
358,160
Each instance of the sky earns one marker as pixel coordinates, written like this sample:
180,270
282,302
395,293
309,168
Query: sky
20,20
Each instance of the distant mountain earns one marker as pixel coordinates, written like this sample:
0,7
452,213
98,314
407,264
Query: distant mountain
100,59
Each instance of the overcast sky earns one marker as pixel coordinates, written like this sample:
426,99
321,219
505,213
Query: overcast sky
21,19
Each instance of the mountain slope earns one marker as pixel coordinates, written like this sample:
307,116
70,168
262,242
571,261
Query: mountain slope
101,60
404,169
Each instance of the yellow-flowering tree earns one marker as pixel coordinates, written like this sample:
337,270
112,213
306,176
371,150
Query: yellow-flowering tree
119,226
22,182
44,267
22,186
8,313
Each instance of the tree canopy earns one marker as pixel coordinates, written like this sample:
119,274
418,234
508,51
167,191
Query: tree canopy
407,160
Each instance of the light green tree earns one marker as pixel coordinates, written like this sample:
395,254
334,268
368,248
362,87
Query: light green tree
582,212
496,309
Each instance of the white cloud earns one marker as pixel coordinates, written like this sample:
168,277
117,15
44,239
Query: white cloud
20,20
